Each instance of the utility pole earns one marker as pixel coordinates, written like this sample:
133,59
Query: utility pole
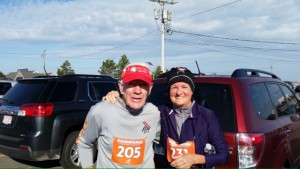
164,16
271,69
43,56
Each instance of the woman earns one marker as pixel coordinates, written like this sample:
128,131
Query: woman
187,128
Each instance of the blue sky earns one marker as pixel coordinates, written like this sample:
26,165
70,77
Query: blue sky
221,35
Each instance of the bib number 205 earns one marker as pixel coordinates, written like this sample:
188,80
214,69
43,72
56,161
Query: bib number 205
129,152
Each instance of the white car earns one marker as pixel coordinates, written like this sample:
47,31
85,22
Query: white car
5,85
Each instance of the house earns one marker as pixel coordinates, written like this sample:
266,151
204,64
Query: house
25,74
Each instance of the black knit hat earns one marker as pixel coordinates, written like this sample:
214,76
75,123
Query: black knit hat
181,74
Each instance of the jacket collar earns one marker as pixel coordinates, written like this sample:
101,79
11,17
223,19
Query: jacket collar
194,113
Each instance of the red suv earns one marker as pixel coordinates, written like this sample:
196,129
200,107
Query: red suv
258,112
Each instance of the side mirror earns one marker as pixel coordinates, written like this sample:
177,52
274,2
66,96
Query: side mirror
297,89
295,117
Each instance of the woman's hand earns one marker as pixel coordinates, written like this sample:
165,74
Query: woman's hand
111,97
188,160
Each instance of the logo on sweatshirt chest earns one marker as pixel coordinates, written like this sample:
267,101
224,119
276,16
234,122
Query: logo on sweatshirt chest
146,127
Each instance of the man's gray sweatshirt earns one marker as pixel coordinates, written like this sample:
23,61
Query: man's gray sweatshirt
124,138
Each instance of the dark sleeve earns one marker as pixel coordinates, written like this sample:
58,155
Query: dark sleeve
216,138
161,159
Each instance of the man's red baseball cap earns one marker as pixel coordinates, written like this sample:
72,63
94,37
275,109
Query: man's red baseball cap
136,71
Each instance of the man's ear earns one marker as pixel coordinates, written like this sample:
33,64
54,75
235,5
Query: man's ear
121,87
150,89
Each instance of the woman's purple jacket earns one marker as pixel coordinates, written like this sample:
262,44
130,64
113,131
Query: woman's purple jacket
202,126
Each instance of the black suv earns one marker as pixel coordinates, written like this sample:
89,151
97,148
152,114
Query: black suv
258,113
40,118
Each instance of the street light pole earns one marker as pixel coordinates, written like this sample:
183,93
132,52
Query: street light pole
165,22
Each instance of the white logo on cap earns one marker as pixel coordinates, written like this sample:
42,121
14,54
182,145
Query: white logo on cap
133,69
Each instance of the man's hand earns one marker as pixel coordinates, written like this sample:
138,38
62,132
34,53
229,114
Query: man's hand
90,167
111,97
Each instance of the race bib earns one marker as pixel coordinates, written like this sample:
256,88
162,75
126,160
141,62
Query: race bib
128,151
175,150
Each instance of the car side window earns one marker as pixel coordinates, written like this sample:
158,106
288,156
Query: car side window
159,95
99,89
4,87
278,100
64,92
23,89
262,102
292,101
218,98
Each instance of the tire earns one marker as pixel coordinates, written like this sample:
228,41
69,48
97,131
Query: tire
69,156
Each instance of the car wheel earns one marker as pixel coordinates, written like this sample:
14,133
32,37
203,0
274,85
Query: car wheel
69,156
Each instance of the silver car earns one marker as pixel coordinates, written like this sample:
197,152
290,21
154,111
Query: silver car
5,85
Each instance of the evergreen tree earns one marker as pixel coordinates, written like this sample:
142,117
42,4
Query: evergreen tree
2,75
157,72
121,65
108,68
65,69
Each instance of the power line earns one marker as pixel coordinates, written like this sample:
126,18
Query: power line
17,53
208,10
244,50
278,52
242,47
118,46
208,41
237,39
233,54
89,54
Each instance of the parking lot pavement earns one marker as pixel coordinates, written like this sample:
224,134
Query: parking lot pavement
6,162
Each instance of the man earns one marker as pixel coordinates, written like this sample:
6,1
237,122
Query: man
191,136
124,130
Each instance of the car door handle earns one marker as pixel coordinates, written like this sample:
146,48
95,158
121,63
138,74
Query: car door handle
81,100
287,132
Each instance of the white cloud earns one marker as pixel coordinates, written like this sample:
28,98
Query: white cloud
57,22
70,29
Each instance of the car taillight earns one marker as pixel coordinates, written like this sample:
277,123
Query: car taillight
250,147
36,110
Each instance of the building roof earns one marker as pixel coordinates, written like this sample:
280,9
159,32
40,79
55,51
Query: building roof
25,74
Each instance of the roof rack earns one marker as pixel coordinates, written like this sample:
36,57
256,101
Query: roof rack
87,75
77,75
166,74
252,73
45,76
4,78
